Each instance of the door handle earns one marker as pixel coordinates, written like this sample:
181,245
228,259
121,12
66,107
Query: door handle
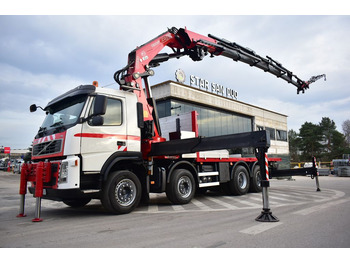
121,143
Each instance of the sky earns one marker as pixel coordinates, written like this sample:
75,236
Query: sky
42,56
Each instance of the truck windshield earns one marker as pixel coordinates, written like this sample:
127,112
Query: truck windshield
64,113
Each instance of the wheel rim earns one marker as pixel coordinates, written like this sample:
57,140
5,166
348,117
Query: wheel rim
184,186
242,180
125,192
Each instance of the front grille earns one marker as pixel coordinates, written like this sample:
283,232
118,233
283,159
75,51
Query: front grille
47,148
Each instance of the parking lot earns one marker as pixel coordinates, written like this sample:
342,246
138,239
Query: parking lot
307,219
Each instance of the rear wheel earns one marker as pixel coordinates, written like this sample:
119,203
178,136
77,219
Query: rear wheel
181,188
122,192
239,185
255,181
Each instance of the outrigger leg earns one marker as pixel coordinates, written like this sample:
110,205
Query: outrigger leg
266,214
38,192
23,190
315,174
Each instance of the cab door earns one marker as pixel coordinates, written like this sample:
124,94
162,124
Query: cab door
99,142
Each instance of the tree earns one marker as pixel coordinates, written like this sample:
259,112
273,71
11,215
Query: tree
333,142
338,146
322,141
310,135
294,145
327,129
346,131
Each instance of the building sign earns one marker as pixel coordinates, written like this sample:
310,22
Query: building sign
7,150
212,87
180,76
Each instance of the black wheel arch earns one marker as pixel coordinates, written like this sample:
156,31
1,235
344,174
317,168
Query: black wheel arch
124,161
182,165
240,163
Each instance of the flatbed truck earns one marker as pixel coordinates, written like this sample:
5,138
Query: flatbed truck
107,144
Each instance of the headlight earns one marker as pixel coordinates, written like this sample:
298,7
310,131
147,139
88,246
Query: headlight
63,172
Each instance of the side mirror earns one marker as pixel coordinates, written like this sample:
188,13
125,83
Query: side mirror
140,119
100,105
33,108
97,120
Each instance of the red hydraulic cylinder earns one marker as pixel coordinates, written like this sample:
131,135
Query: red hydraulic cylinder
39,180
38,191
23,182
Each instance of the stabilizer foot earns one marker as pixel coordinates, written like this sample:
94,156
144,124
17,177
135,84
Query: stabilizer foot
37,220
266,216
21,215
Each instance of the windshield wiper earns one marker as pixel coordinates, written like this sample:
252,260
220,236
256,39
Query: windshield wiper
42,130
57,124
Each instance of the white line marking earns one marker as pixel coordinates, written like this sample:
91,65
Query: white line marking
244,202
200,205
310,210
257,229
222,203
153,208
178,208
289,197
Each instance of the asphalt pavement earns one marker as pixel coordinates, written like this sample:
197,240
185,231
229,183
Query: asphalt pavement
307,219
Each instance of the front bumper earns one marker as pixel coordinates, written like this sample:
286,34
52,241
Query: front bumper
55,175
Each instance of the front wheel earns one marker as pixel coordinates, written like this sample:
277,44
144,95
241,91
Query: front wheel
181,188
122,192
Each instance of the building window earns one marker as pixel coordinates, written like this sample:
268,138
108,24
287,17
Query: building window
281,135
271,131
164,108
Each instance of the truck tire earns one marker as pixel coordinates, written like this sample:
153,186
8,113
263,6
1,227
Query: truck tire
181,187
255,180
76,203
239,184
121,193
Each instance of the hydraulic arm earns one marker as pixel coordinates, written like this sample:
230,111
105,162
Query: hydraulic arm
196,46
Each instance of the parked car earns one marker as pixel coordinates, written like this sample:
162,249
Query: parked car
17,166
309,164
3,164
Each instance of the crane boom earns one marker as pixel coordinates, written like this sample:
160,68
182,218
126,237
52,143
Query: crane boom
184,42
311,80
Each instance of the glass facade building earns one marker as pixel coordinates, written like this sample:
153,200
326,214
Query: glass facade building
218,115
211,122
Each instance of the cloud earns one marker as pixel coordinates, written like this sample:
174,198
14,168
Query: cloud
18,128
19,90
44,56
